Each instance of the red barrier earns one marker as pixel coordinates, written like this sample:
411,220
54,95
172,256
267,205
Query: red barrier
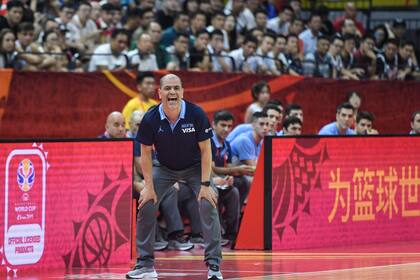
73,105
344,191
65,204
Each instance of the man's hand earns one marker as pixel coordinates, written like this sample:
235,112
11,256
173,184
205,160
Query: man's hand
209,194
247,169
146,195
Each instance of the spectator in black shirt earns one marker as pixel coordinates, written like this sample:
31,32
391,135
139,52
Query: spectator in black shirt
387,63
200,59
407,62
13,17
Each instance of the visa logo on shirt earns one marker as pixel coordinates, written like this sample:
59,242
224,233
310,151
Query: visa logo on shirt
187,128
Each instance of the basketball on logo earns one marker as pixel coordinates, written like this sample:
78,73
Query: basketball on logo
25,175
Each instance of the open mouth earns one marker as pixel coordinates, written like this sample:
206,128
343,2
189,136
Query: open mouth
172,99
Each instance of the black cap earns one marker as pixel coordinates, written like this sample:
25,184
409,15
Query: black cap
399,22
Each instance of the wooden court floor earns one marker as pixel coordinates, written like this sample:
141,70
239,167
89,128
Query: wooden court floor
400,260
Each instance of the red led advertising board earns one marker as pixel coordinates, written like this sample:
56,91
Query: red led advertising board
337,191
65,204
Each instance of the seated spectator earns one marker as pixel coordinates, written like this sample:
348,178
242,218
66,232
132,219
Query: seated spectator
200,59
166,14
241,57
246,149
179,57
292,110
198,23
292,126
355,100
344,120
111,56
319,64
180,25
230,28
263,62
387,63
295,28
415,123
132,22
218,22
238,130
105,22
334,51
365,59
380,34
191,7
261,20
114,126
83,29
278,51
364,123
7,49
134,123
291,60
257,33
220,60
223,170
146,16
327,27
53,58
13,17
143,58
64,21
349,28
26,48
407,62
311,34
274,115
260,92
350,12
245,20
398,30
347,55
162,57
146,85
280,24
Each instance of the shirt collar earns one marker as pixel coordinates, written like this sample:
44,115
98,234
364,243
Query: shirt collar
216,141
181,114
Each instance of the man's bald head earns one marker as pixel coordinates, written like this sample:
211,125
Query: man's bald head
115,125
169,77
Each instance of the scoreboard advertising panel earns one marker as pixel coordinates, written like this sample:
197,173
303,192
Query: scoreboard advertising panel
339,191
65,204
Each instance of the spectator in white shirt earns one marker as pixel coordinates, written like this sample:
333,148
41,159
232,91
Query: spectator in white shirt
310,35
142,58
243,54
111,56
280,24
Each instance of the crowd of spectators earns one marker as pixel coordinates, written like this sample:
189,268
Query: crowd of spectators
249,36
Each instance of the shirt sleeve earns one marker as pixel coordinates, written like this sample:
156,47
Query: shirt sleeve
137,148
204,130
145,135
244,150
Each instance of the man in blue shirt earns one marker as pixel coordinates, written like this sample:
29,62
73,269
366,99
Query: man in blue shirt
344,119
246,147
180,133
228,186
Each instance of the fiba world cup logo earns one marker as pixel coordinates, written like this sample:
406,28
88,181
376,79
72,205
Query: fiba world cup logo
25,175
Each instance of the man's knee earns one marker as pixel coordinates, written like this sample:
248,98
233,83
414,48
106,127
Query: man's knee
147,213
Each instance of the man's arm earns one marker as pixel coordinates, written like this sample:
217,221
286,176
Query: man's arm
206,192
233,170
148,192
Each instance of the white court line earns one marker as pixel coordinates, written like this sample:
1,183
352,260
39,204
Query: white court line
315,273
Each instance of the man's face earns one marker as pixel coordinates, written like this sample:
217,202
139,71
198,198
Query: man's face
145,44
415,125
297,113
8,43
249,48
315,23
217,43
216,5
293,130
390,50
274,118
261,20
222,129
147,87
66,15
261,127
181,45
363,126
267,44
84,12
155,32
183,22
349,27
399,31
349,45
336,46
147,18
26,37
218,22
116,127
292,44
15,15
344,118
199,22
171,93
323,46
119,43
368,45
406,52
202,41
296,27
287,15
280,45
